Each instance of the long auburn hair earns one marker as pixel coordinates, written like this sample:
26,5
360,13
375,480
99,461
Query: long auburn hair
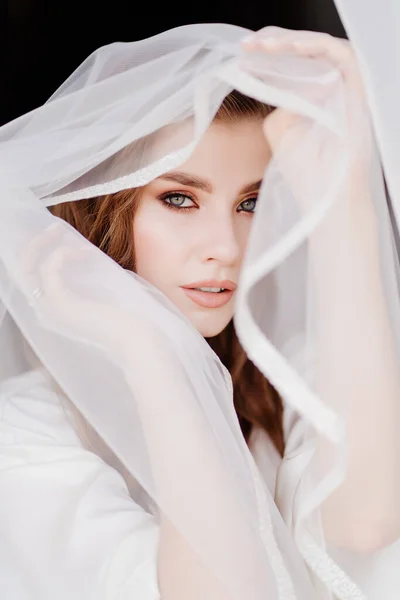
106,221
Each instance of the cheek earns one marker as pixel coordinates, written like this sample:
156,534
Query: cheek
244,225
156,247
147,250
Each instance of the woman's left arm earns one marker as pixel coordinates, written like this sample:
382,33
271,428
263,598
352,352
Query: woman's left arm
358,362
357,357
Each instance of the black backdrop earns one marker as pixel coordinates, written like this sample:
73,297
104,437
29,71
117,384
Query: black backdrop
47,39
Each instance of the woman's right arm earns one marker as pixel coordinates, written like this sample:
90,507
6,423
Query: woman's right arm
191,481
209,541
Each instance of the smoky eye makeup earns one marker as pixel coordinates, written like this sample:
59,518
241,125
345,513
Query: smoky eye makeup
183,201
249,205
177,201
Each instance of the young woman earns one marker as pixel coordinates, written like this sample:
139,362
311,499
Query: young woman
78,520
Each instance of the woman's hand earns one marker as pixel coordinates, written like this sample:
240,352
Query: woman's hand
335,52
70,288
287,132
357,363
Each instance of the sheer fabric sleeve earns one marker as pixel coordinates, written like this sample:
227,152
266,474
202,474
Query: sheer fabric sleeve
69,528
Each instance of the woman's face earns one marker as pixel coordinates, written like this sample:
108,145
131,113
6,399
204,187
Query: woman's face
192,224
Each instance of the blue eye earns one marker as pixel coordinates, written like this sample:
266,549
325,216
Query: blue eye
248,205
176,200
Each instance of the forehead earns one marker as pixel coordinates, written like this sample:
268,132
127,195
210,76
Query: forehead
237,151
170,138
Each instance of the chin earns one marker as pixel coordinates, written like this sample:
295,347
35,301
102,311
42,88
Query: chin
211,327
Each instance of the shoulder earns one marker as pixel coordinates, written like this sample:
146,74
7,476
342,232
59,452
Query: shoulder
32,411
90,537
40,429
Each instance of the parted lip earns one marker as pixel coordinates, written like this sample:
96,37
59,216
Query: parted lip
213,283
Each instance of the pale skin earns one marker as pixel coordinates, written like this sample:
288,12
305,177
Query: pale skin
359,362
206,239
209,241
205,236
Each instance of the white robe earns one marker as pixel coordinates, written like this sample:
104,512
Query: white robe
71,529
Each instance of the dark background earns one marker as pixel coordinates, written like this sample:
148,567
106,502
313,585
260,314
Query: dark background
45,40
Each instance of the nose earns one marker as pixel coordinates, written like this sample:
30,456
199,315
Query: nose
223,241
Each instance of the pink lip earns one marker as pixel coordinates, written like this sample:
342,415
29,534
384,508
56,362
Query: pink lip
209,299
214,283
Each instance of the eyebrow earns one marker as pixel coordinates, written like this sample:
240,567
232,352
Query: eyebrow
203,184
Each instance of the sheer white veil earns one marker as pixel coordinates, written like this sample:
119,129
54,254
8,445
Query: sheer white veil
130,362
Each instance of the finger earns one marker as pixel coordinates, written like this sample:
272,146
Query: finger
50,278
25,269
52,282
276,35
30,253
338,52
304,43
98,322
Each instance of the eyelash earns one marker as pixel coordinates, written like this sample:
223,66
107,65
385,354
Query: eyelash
169,195
164,199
